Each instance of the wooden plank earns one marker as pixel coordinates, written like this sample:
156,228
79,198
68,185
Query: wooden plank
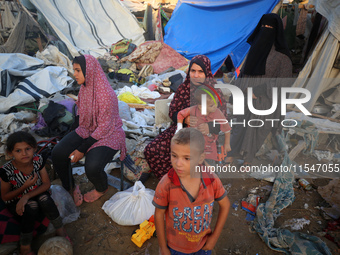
335,115
141,106
319,131
74,97
297,149
315,115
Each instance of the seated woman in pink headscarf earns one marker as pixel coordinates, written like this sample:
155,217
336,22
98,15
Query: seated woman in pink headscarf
99,135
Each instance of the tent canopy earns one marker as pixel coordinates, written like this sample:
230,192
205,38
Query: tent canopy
215,28
91,26
319,73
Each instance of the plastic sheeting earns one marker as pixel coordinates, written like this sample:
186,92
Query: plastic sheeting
90,26
141,92
330,9
16,64
7,18
319,74
41,84
52,56
25,27
133,5
222,28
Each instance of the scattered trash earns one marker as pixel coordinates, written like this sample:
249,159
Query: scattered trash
237,251
141,92
116,182
296,224
145,232
331,193
128,97
235,205
79,170
336,157
274,156
65,204
326,155
305,184
264,175
306,206
124,110
254,191
235,214
132,206
227,187
251,203
332,232
250,217
267,187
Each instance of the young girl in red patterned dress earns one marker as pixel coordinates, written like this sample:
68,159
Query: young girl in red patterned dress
24,188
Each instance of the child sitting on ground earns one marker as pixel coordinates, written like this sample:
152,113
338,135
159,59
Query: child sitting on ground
187,201
212,113
24,188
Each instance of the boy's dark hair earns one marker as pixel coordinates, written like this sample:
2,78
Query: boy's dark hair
185,135
19,137
202,90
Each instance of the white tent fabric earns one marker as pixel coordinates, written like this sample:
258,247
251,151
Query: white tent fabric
35,83
133,5
331,10
91,26
14,65
7,18
52,56
41,84
318,74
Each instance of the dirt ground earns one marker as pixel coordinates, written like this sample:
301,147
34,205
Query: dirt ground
95,232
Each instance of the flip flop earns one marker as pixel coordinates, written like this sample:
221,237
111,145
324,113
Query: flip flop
93,195
77,196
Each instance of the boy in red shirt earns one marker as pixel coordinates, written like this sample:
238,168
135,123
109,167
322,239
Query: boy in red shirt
187,201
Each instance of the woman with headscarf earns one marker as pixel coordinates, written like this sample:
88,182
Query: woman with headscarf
99,134
157,153
268,57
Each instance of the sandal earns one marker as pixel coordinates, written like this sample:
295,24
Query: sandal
77,196
93,195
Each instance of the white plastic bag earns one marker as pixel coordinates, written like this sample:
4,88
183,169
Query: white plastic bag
132,206
64,201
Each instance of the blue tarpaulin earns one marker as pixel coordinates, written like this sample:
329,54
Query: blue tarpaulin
215,28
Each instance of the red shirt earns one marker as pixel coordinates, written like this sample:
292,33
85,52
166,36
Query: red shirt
187,220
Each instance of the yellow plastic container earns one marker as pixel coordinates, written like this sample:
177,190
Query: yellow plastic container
145,232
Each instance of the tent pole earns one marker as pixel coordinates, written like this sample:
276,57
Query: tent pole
277,7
